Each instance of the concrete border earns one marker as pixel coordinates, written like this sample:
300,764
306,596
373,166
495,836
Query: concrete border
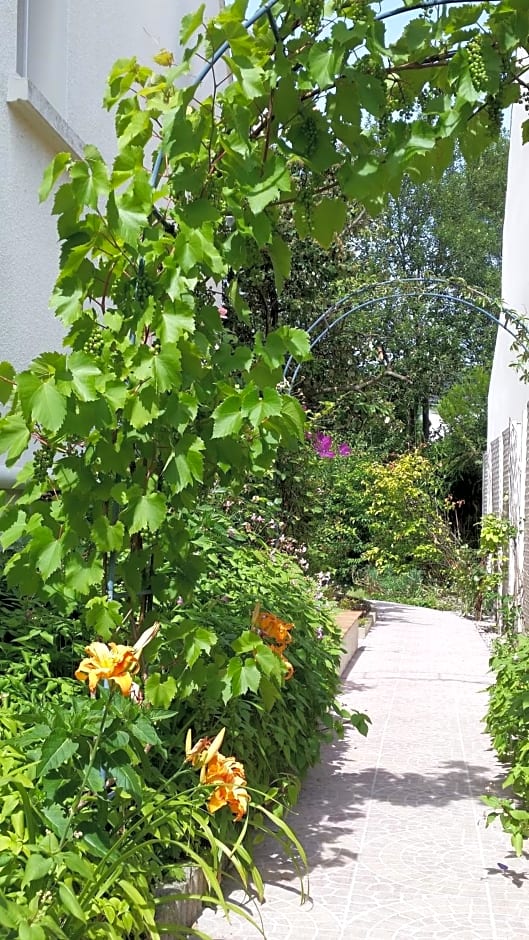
178,909
348,621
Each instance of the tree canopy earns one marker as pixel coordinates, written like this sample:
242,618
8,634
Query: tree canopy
154,400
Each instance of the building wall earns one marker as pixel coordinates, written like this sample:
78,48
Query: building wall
55,56
506,462
508,395
66,48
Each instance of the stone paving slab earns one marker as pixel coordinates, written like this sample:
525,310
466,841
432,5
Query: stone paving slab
393,825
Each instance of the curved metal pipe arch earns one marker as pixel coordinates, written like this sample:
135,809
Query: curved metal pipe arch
401,295
266,10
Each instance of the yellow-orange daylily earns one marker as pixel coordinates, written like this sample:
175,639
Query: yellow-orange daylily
229,779
224,770
203,751
226,774
237,798
272,626
275,629
115,663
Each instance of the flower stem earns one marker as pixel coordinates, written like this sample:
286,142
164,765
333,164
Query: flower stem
93,753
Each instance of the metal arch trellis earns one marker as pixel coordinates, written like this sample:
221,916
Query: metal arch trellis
450,291
264,11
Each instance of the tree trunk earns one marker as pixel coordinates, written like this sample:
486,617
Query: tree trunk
425,405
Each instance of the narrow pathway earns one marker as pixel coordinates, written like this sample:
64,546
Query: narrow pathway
393,824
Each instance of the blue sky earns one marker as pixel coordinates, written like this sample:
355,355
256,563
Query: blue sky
394,26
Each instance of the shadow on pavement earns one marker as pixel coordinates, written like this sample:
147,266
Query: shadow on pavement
329,817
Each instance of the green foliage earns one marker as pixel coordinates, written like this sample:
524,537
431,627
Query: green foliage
507,721
39,649
383,364
90,826
478,574
143,819
403,587
407,529
223,672
459,450
378,525
339,502
153,403
136,430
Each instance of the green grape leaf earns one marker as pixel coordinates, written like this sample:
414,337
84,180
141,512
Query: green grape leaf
227,417
329,217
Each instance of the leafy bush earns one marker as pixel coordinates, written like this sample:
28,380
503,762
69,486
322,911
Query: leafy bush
99,807
507,721
339,506
407,529
221,669
478,574
403,587
39,648
360,511
90,825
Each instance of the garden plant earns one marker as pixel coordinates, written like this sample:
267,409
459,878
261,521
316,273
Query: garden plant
110,546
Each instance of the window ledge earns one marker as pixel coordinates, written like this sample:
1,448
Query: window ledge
25,98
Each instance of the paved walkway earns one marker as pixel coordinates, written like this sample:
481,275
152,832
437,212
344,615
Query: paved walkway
393,824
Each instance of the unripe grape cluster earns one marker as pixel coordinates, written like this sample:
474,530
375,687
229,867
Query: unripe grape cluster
95,342
494,112
476,65
357,9
42,463
371,66
142,289
310,135
313,15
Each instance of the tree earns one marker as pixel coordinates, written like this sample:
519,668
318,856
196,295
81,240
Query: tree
398,355
153,402
459,451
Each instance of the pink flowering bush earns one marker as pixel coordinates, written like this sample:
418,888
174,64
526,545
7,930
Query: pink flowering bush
323,445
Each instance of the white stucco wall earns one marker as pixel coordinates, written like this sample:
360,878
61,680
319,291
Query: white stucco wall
508,395
79,41
66,49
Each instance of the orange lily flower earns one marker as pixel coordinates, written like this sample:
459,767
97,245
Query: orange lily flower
226,774
224,770
203,751
237,798
272,626
115,663
275,629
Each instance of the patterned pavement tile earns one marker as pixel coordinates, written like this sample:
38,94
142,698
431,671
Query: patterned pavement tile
393,825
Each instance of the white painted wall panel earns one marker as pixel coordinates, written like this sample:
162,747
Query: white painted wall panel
71,46
508,395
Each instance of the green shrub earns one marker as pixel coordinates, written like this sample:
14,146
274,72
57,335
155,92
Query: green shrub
403,587
406,526
98,806
90,826
507,721
236,681
478,574
339,507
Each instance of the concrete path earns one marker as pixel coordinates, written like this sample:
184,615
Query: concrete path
393,824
